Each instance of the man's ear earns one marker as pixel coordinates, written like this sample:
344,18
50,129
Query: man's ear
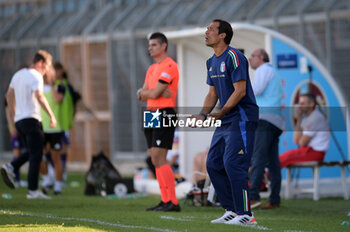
164,46
222,35
41,62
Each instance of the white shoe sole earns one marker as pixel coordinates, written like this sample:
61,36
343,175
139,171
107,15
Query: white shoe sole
6,177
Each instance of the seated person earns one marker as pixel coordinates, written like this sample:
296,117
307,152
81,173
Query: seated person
311,134
200,180
199,169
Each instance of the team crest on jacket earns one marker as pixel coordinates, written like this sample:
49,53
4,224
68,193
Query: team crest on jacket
222,67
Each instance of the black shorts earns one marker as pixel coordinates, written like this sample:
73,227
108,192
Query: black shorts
161,137
54,139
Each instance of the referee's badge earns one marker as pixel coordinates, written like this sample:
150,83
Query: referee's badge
222,66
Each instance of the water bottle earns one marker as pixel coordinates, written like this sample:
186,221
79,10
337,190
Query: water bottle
6,196
345,223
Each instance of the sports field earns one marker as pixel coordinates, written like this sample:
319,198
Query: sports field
73,211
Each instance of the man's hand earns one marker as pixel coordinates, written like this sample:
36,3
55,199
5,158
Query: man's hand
13,132
198,117
298,112
167,93
138,94
53,122
217,116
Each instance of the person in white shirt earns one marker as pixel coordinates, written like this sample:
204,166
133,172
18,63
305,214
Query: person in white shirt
267,89
25,98
311,134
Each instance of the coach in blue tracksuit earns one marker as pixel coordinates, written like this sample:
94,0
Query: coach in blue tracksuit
232,144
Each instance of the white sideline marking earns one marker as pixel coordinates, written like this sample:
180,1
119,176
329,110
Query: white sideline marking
185,219
296,231
278,219
86,220
257,227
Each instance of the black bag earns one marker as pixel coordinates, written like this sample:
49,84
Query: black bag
101,172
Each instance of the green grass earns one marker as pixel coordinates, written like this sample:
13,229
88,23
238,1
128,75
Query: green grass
72,211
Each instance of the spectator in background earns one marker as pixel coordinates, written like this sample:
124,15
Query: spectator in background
199,168
25,97
67,111
200,180
311,133
267,88
54,94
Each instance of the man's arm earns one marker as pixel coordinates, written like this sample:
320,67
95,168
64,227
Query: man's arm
210,100
298,137
11,122
261,80
236,96
153,93
11,106
208,105
57,96
45,105
298,132
304,140
144,87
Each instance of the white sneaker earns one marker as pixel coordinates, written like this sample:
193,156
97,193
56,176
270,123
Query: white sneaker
46,181
8,175
228,215
38,195
242,220
47,184
58,187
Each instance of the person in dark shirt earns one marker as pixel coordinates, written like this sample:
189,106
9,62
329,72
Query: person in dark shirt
232,144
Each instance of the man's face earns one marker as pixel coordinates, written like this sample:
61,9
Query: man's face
46,66
59,73
212,36
255,59
305,104
155,48
50,76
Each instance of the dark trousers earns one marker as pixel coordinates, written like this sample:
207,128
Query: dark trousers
228,163
266,155
32,134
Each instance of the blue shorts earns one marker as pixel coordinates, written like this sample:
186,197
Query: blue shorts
66,138
17,142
